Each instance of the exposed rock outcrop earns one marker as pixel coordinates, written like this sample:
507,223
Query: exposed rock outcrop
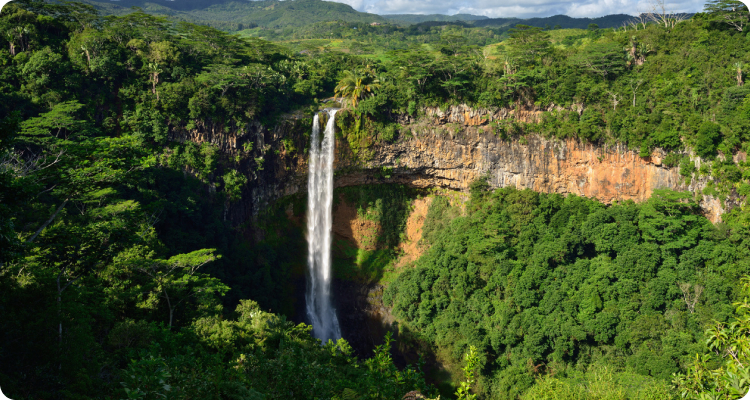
273,159
544,165
450,149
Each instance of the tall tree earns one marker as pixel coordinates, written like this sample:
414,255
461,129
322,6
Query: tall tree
528,44
733,12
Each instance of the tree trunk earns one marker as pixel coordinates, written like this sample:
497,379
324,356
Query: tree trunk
154,81
60,290
171,309
49,221
59,319
739,77
12,49
59,310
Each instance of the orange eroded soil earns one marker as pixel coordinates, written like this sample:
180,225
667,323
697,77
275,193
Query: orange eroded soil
410,248
357,230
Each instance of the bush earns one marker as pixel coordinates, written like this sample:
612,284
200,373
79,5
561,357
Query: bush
591,124
709,136
599,383
687,167
733,96
671,160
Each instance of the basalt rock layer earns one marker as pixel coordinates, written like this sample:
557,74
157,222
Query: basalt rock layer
451,149
454,161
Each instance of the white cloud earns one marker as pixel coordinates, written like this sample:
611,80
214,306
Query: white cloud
516,8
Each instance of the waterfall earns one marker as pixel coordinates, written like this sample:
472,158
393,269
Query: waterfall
319,220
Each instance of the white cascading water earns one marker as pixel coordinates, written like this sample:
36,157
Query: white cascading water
319,220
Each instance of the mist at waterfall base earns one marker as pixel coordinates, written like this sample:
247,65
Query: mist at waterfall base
319,220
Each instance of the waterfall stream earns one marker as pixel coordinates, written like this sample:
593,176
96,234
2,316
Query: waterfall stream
319,220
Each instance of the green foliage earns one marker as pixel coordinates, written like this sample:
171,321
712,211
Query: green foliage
201,158
729,341
59,121
687,167
709,135
599,383
232,17
560,21
616,75
540,282
118,264
233,184
528,43
478,188
251,358
591,125
631,84
732,13
672,160
472,362
356,85
175,280
606,60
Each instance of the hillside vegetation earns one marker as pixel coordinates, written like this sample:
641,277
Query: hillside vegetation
124,274
546,285
560,21
417,18
238,15
274,15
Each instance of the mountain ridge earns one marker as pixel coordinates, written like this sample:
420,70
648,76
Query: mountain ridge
238,15
417,18
275,14
564,21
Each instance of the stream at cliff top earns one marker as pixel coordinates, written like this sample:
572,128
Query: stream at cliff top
319,221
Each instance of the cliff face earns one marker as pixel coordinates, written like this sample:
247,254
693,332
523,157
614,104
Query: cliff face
452,148
273,159
544,165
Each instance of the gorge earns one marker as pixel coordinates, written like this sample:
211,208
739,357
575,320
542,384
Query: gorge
449,149
353,210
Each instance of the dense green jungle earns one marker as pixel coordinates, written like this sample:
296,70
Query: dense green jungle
131,268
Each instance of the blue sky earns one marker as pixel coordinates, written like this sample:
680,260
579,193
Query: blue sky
518,8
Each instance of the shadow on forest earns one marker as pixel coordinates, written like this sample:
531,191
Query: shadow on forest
369,224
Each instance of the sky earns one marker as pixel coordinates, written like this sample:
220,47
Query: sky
519,8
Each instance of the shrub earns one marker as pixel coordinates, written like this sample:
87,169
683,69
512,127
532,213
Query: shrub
709,136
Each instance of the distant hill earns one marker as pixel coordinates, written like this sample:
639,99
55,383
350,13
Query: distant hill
563,21
237,15
175,5
234,15
417,18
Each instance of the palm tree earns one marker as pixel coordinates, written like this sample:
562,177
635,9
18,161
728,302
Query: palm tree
154,72
356,85
10,36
